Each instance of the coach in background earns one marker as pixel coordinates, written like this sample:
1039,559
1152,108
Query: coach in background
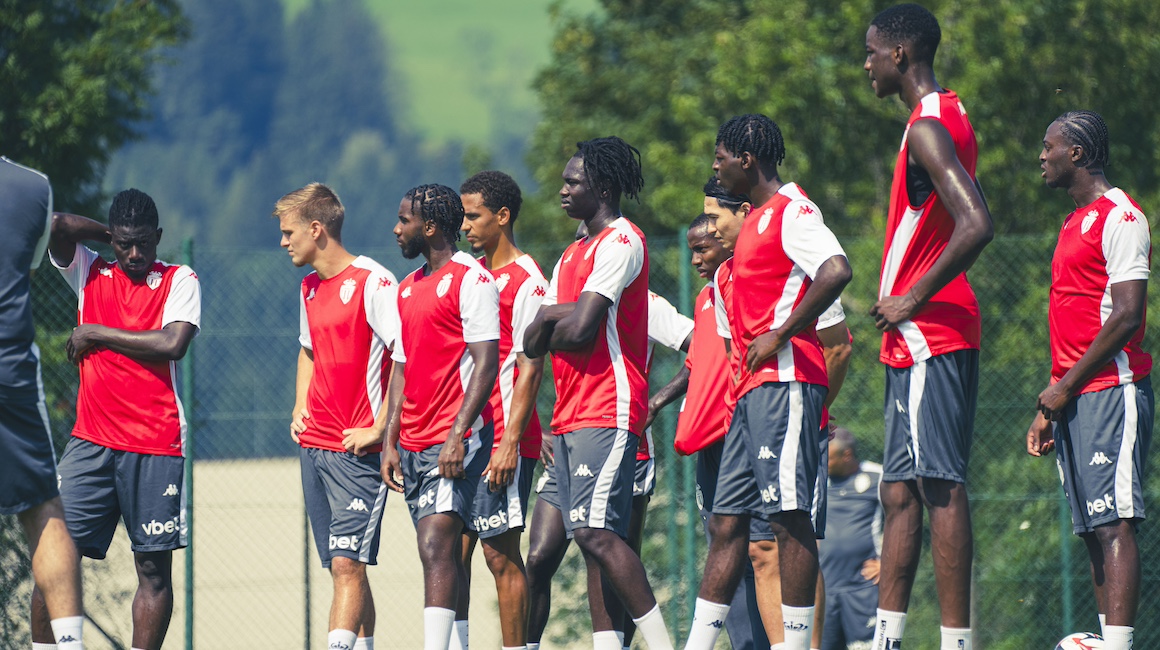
849,555
1100,397
27,461
136,317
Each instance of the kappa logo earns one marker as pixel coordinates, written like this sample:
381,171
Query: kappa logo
805,211
623,239
444,285
153,280
1128,217
765,454
344,542
568,259
636,488
718,624
384,282
427,499
583,470
338,645
346,292
482,278
539,292
708,305
68,638
501,282
1100,458
310,296
1100,505
578,514
155,527
358,505
769,494
107,272
170,491
406,293
766,217
898,404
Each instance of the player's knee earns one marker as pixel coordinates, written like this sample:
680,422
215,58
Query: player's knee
897,497
594,541
1114,534
503,557
940,493
763,555
345,568
726,528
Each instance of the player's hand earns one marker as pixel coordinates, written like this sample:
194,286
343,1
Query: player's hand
298,423
871,569
451,457
1053,400
831,428
762,349
391,469
81,342
892,311
501,469
1039,439
547,457
357,441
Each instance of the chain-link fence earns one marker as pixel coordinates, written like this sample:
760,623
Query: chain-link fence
256,579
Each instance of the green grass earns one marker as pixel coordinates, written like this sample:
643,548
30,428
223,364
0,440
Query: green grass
465,66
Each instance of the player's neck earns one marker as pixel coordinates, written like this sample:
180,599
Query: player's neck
331,260
505,253
605,214
764,190
439,256
918,84
1088,186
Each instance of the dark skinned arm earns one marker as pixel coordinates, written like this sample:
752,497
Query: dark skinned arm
485,355
501,469
932,149
167,344
391,467
669,393
538,336
831,278
577,329
67,230
837,350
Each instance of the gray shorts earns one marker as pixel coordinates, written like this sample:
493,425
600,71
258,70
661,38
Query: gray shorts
644,479
930,417
27,459
1102,450
345,496
495,513
99,486
595,468
708,464
850,618
772,454
428,494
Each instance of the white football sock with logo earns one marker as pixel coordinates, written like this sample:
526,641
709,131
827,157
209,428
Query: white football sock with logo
955,638
365,643
797,622
437,626
341,640
888,630
68,632
652,628
708,620
1118,637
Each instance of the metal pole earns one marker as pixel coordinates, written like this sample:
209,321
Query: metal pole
688,466
187,398
306,576
1065,574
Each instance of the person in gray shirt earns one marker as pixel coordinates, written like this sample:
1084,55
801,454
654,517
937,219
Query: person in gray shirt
849,555
28,485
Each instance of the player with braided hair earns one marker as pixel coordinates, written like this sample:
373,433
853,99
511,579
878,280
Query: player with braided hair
438,410
1097,412
937,226
594,321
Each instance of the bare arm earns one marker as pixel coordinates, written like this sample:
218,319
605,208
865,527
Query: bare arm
301,387
167,344
391,470
67,230
578,328
667,394
837,350
485,355
538,336
932,149
501,468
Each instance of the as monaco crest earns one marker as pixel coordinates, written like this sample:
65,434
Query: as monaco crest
347,290
153,280
443,286
502,281
766,217
1088,220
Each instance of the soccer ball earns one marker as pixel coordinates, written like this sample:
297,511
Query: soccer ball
1080,641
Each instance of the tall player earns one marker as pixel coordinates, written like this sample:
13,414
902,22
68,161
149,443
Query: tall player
348,323
136,317
27,460
727,214
787,269
937,226
594,321
439,411
491,205
1100,397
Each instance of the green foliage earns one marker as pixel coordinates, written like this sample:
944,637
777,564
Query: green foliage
76,76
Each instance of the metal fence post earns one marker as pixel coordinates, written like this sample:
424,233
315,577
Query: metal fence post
688,465
306,577
187,397
1065,573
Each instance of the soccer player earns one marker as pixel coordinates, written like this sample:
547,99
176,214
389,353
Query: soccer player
136,317
348,323
787,269
937,226
1100,400
491,205
849,555
439,411
727,214
27,460
594,321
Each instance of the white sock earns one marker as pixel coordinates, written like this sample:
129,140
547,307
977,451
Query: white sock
437,625
68,632
652,628
459,638
43,646
1103,623
533,646
364,643
516,647
708,620
777,646
341,640
606,640
888,630
797,622
1118,637
955,638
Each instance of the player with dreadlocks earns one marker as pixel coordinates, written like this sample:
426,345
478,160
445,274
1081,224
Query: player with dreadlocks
1100,398
937,226
594,321
438,411
787,269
